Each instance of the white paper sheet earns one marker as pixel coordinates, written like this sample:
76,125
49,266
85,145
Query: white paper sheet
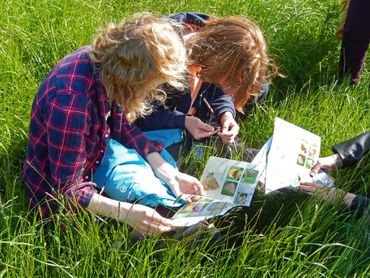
292,154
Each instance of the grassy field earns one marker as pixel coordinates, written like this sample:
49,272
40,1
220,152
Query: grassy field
320,239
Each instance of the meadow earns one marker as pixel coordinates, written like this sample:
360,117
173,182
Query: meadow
320,239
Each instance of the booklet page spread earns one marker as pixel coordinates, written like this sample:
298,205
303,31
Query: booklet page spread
292,154
227,183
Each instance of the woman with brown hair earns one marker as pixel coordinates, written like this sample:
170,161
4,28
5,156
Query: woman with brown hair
227,65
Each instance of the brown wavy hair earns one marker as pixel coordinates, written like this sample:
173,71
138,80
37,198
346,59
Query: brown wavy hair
232,48
136,57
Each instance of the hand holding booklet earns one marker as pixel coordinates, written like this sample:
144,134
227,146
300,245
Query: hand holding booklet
285,160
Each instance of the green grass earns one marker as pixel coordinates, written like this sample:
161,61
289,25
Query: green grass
320,239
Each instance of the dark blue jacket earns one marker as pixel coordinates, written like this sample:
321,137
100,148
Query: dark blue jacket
178,103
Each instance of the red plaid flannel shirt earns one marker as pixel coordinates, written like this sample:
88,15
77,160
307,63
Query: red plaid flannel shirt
71,119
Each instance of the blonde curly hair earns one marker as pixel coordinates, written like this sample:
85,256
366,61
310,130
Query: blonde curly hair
233,49
136,57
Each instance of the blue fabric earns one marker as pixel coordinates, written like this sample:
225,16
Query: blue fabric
166,136
126,176
360,204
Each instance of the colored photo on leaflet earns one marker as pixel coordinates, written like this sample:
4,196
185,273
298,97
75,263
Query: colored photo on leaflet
193,207
210,182
234,173
309,163
304,148
301,159
242,198
312,152
250,176
215,207
229,188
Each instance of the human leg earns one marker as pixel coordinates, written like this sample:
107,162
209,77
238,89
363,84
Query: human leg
356,36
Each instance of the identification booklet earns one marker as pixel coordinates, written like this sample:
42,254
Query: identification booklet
293,152
227,183
285,160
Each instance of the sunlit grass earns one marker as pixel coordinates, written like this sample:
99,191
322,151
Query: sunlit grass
319,240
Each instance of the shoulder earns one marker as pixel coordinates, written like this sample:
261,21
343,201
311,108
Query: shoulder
69,83
76,63
74,74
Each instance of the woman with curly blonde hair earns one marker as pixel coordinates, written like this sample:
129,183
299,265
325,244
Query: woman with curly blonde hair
138,56
81,118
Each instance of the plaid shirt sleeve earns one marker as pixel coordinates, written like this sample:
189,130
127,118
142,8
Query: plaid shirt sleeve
133,137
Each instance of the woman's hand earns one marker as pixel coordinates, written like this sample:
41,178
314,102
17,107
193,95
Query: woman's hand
181,184
310,187
145,220
184,185
328,194
327,164
229,128
197,128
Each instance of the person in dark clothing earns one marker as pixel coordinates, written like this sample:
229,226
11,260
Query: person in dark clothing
355,40
346,154
227,65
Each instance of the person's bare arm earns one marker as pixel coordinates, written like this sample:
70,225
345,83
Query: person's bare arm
180,183
142,219
330,194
